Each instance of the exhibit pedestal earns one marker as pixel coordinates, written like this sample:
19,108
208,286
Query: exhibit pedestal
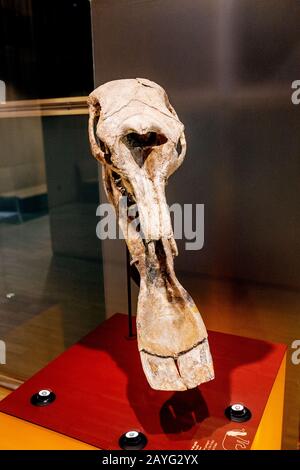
101,393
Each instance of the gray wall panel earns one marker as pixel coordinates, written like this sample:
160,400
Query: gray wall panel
227,66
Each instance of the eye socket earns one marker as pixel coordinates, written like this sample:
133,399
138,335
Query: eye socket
150,139
101,145
179,147
104,149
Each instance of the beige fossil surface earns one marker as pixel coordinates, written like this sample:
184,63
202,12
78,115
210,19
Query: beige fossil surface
138,138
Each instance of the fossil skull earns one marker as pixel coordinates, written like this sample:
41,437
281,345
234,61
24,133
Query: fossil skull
136,134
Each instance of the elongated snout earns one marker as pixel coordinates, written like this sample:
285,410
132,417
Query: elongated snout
154,214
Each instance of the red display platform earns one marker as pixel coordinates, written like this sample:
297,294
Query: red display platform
102,393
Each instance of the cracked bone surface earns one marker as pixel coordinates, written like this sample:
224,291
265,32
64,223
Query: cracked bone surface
136,134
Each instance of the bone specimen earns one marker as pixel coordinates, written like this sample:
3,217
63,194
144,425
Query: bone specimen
136,134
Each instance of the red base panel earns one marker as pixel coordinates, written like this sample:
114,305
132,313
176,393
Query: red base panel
102,393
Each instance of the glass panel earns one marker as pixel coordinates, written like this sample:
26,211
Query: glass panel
51,283
45,48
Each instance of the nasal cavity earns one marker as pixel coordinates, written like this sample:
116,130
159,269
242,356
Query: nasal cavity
149,139
141,145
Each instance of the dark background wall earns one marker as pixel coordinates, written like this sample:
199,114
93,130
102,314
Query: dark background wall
46,52
227,67
45,48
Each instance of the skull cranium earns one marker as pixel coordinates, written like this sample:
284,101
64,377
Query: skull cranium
137,136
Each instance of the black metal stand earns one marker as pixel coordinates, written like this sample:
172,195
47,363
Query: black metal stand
131,335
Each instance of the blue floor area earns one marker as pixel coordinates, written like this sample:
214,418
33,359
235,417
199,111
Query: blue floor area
18,218
7,215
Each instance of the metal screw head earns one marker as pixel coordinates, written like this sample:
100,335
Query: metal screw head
43,397
238,412
44,393
133,440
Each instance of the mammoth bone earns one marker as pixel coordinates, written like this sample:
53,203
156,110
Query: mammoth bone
137,136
